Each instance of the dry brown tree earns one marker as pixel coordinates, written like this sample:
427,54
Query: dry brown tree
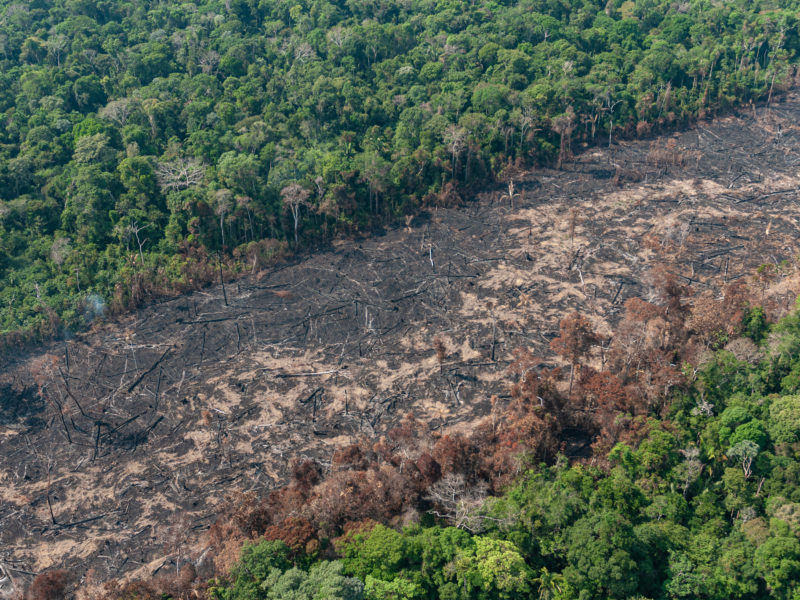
441,351
576,338
711,322
50,585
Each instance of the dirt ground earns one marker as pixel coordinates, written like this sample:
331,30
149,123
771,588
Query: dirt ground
107,439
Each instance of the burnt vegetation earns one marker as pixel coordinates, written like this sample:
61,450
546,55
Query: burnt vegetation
406,378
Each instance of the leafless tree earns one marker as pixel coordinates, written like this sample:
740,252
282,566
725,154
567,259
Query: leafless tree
246,203
457,502
319,183
456,139
572,223
338,36
441,351
90,54
223,201
525,121
577,337
174,537
704,407
118,111
304,53
511,193
564,125
8,588
179,174
56,45
777,45
209,61
610,105
60,250
374,171
295,196
691,467
133,229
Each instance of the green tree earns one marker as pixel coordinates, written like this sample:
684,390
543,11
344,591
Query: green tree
778,561
323,581
493,569
784,420
601,558
258,562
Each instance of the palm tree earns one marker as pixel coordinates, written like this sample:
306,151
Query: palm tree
511,193
549,584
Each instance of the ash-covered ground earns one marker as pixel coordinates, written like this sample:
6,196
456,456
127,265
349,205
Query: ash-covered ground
109,440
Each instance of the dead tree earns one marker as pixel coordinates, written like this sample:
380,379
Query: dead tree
118,111
577,337
458,503
179,174
564,126
223,200
295,196
441,351
455,137
511,193
135,229
609,108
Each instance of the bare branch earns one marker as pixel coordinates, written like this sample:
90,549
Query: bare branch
457,502
179,174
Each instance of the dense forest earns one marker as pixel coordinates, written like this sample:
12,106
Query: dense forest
148,147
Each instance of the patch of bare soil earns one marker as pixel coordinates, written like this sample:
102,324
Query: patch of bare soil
106,440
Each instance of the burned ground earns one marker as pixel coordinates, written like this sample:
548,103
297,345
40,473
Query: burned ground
108,441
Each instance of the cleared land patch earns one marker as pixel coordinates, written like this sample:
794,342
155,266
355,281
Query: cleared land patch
108,439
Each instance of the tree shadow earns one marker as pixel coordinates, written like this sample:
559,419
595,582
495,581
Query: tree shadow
21,406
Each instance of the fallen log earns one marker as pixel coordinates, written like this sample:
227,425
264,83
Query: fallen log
150,370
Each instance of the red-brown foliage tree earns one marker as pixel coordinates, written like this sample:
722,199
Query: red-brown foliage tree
305,474
49,585
378,493
712,321
644,327
430,471
177,586
576,337
644,354
456,454
670,292
350,458
535,384
605,402
297,533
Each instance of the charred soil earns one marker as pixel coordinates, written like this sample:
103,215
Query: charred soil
119,446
